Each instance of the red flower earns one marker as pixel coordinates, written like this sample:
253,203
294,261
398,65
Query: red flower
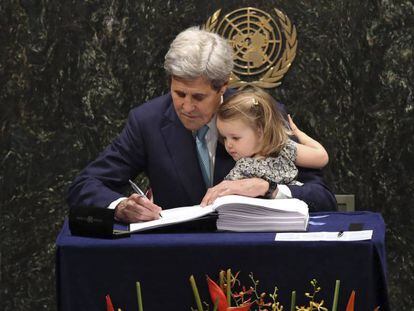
109,305
217,293
351,302
243,307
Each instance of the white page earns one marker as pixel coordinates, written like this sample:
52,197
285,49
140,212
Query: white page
172,216
325,236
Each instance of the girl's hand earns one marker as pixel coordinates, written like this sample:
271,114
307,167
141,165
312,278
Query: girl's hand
293,126
249,187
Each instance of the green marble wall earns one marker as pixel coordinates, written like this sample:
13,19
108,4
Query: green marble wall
71,70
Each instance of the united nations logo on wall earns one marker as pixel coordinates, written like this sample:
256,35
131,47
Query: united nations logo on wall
264,48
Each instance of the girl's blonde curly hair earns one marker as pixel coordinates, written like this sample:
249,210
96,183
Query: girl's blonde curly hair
258,110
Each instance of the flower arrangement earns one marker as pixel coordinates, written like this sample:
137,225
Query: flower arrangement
230,295
230,292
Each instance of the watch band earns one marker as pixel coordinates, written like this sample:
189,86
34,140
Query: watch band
272,188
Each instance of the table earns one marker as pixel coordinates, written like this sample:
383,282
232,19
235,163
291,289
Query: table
87,269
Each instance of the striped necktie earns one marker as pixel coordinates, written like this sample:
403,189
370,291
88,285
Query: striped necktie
203,155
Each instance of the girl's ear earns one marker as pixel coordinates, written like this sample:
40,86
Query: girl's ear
260,132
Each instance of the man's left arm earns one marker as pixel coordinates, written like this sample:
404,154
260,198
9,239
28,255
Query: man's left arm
314,191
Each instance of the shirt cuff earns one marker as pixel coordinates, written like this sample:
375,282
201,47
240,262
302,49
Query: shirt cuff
283,192
116,202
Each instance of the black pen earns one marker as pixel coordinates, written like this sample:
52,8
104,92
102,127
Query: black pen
139,191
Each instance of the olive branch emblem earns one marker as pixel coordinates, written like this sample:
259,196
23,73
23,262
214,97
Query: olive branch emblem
212,21
272,77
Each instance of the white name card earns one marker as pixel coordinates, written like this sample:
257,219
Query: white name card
325,236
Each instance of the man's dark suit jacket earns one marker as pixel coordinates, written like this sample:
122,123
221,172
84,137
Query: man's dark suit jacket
154,141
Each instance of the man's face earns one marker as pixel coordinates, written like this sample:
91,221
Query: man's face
195,101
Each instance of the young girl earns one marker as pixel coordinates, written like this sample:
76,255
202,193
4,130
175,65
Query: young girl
256,135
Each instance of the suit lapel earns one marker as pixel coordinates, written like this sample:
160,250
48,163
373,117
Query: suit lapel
181,146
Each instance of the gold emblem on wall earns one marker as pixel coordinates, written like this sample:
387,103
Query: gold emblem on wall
264,48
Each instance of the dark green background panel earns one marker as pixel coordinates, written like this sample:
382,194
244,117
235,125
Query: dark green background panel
71,70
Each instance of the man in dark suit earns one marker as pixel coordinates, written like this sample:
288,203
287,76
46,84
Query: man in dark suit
160,138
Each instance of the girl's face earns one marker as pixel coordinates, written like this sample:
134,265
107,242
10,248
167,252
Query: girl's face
240,139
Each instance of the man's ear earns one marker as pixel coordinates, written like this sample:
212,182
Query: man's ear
169,80
223,88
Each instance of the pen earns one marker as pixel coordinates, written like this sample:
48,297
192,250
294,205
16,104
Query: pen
139,191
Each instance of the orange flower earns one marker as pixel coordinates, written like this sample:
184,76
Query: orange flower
109,305
351,302
216,293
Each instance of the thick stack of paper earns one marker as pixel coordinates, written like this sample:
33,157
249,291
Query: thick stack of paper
244,214
239,213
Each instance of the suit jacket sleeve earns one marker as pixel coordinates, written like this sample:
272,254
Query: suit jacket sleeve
104,179
314,191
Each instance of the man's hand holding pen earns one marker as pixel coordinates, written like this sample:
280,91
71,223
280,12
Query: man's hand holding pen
137,207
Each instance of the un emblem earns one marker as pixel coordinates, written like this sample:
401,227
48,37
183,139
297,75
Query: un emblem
263,48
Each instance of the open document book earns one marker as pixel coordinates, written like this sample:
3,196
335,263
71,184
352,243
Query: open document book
239,213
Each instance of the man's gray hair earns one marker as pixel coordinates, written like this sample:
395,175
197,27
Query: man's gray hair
195,53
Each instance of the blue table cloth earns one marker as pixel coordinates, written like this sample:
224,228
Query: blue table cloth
88,268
